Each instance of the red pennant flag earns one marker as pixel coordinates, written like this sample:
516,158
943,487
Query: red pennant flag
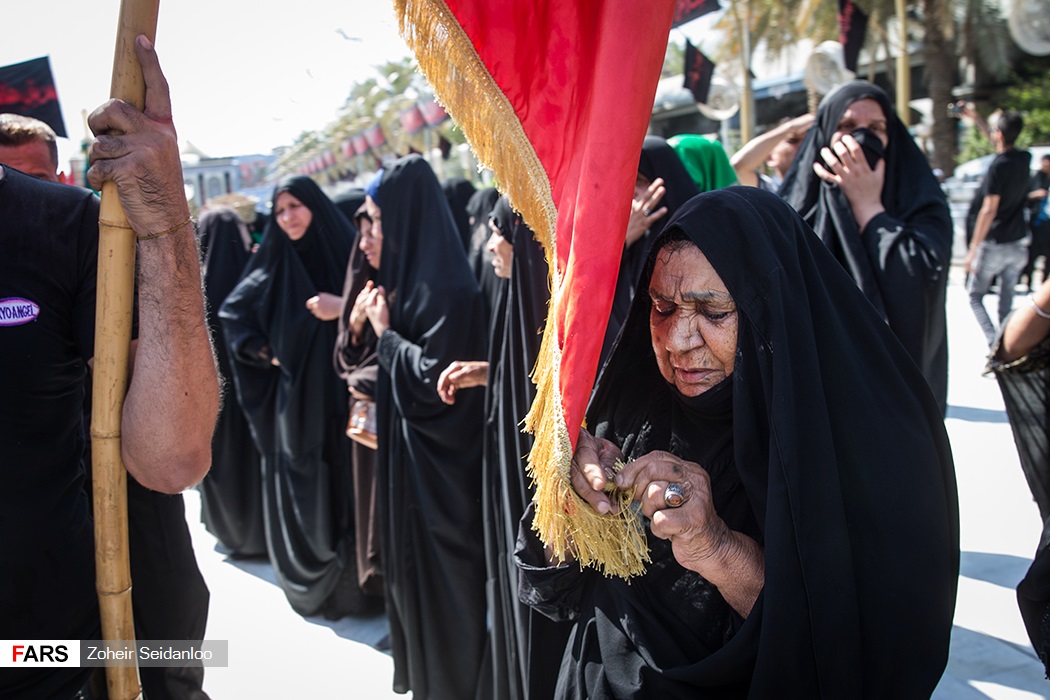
853,24
433,113
538,89
411,120
360,144
698,71
348,148
688,10
374,136
27,89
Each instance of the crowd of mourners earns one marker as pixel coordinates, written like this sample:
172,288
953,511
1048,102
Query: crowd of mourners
771,397
771,391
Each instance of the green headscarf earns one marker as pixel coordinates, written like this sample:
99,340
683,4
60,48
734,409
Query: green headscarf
705,160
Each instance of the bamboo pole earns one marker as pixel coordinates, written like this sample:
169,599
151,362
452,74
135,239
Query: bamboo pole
903,66
116,282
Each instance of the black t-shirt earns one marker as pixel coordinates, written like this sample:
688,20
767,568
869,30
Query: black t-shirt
1008,177
48,261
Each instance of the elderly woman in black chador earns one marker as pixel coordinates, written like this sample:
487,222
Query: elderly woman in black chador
426,312
231,495
867,190
792,469
294,402
663,184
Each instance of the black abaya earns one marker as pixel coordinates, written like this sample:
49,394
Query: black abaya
429,459
525,646
478,256
459,191
298,410
900,259
231,493
825,443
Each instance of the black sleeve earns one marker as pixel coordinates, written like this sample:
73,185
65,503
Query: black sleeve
554,591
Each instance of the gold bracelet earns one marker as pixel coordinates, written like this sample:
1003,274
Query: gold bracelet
165,232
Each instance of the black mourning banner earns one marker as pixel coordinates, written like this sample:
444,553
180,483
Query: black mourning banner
698,71
688,10
27,89
852,25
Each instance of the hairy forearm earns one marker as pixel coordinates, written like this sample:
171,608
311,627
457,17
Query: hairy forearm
173,399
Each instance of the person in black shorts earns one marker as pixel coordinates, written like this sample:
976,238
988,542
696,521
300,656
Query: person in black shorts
49,234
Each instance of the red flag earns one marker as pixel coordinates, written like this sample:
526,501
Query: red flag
688,10
538,89
411,120
360,144
348,148
433,113
27,89
375,136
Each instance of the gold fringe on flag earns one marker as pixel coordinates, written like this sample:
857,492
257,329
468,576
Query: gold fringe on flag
614,544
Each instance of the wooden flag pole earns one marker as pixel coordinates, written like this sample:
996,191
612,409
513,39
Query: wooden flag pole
116,285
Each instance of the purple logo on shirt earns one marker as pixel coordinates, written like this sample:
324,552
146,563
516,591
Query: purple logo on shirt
15,311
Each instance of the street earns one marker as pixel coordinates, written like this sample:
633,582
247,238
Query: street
275,653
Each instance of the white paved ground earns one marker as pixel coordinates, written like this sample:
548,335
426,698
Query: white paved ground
275,653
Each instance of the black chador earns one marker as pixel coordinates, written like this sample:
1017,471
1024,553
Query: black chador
297,409
429,460
231,493
900,260
525,646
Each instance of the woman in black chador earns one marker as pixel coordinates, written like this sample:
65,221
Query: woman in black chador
426,311
888,224
525,647
793,474
294,402
231,493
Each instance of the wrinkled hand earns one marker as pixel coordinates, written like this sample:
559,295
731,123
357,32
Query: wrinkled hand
847,167
694,529
139,151
377,311
461,375
325,306
593,465
640,221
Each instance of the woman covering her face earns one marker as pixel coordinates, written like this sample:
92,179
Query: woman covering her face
294,402
888,225
427,311
792,469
